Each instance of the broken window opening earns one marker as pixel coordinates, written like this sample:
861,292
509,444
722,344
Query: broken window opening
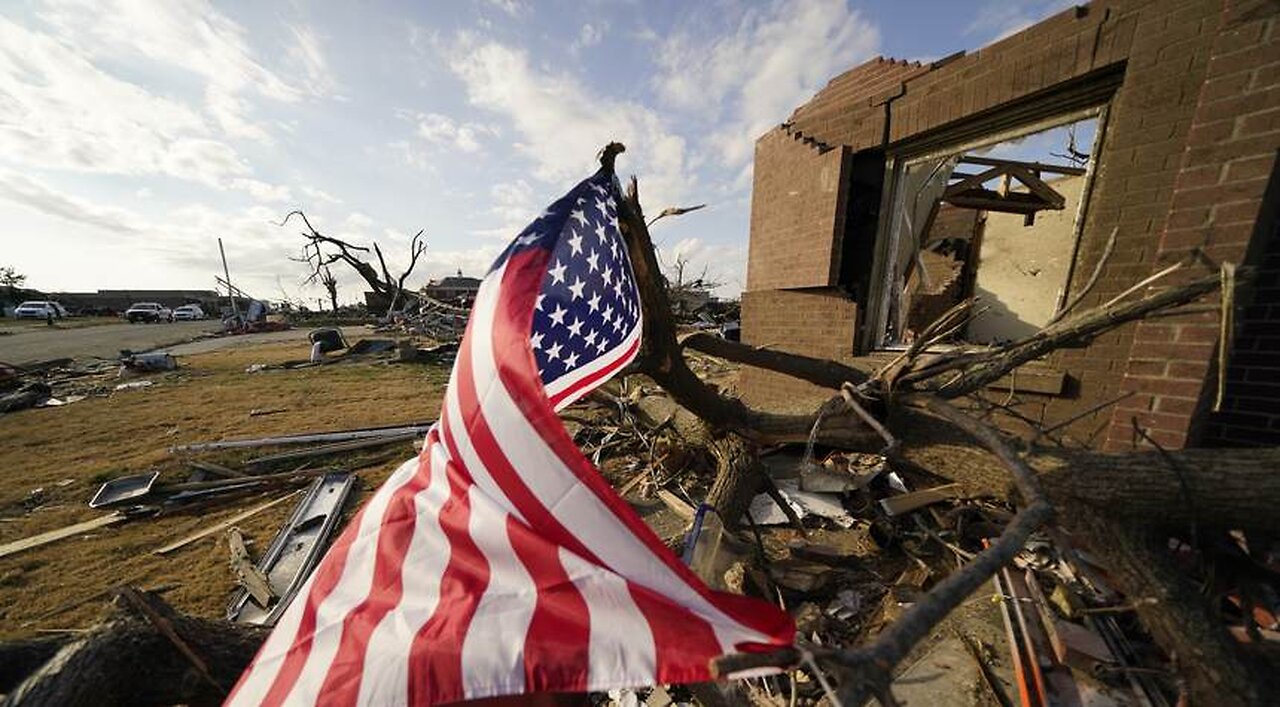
997,220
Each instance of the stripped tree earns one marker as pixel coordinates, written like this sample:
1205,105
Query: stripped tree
320,251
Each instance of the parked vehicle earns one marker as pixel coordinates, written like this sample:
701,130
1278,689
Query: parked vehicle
39,309
188,312
149,312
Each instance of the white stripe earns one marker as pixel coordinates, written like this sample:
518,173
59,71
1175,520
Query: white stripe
493,650
576,507
271,658
622,650
470,459
386,666
352,589
571,379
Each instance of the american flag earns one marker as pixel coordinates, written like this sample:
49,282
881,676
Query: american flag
500,561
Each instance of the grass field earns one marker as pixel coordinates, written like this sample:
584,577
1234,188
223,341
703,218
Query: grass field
12,326
68,451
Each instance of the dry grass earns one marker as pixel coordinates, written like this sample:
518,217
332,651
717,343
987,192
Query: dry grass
69,451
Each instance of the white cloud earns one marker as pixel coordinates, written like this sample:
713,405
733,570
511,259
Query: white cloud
43,198
319,195
262,191
513,201
590,35
306,54
58,110
358,221
187,34
996,20
722,265
561,125
751,77
514,8
437,129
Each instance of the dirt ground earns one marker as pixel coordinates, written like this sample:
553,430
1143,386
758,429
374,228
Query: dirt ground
69,451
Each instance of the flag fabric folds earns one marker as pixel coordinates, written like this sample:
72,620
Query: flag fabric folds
499,561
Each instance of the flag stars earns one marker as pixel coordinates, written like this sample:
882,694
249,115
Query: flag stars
557,317
590,338
576,288
593,261
575,244
594,303
580,215
553,353
570,361
557,273
538,305
536,340
601,234
575,329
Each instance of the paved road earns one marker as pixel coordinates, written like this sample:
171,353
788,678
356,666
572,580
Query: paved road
106,341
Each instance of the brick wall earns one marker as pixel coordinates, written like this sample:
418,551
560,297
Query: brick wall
1228,157
1250,414
816,322
797,208
1184,150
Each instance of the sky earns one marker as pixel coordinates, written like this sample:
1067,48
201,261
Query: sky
135,134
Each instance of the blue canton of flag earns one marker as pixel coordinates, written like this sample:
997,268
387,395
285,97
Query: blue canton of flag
587,318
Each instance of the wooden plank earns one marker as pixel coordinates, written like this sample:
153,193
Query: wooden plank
61,533
1046,381
217,469
249,576
674,502
907,502
219,527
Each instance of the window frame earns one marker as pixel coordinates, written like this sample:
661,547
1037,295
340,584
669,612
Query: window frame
874,329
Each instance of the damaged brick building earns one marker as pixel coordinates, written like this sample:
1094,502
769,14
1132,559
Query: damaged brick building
901,188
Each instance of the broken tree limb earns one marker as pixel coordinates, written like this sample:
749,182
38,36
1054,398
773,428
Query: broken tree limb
1214,665
819,371
128,660
975,370
661,359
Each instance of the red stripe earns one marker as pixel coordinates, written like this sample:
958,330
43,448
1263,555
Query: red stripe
589,382
557,645
683,642
327,576
399,521
495,461
517,369
435,658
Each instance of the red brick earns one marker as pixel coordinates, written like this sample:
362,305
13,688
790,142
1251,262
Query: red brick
1259,123
1178,406
1155,333
1187,370
1249,168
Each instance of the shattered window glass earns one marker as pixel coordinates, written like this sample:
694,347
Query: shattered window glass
997,223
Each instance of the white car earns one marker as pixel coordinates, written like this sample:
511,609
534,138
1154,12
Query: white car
189,311
38,309
148,312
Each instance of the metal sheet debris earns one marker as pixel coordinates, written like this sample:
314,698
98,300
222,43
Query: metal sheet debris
297,548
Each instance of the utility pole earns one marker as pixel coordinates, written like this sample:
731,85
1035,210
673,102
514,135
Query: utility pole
230,290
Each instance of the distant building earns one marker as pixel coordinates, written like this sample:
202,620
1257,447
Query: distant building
115,301
457,289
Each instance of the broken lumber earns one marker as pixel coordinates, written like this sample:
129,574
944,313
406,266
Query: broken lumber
219,527
35,541
907,502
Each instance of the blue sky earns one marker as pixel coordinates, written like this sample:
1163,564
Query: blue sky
133,134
